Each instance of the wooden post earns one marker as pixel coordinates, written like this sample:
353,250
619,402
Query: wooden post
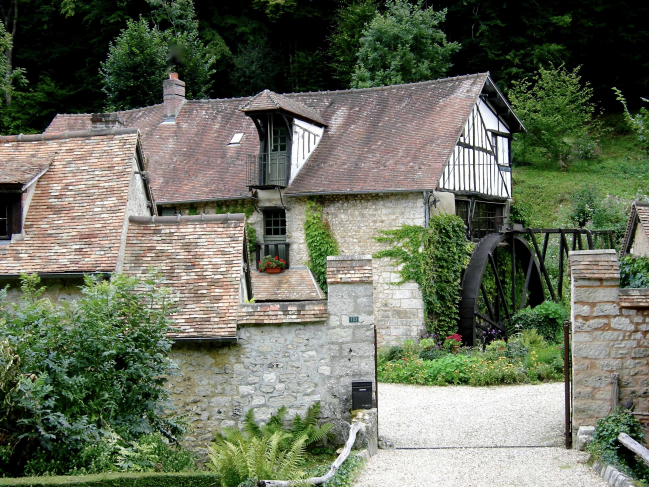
566,381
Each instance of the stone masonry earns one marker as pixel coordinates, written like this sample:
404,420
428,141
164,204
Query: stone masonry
610,329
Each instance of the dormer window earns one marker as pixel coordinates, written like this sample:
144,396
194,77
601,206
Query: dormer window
236,138
279,138
10,215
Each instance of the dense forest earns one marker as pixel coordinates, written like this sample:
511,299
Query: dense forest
56,52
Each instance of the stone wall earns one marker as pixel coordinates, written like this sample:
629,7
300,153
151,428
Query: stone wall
56,290
610,329
270,366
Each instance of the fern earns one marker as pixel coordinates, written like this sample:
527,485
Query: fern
269,451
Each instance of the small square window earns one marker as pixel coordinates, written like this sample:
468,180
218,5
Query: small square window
236,138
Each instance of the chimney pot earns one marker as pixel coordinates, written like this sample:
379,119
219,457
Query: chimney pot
173,90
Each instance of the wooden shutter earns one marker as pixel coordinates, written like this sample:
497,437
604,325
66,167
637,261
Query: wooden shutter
15,214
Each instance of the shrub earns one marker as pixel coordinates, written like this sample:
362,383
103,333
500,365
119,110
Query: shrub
89,393
546,318
634,271
604,442
498,371
158,479
639,123
432,354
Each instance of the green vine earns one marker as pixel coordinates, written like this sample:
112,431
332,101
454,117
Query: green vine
434,258
320,242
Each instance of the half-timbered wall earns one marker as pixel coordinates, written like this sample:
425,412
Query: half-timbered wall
480,163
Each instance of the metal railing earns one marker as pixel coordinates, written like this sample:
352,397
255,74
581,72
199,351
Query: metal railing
275,249
268,169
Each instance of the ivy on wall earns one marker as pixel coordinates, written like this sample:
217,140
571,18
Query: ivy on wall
320,242
434,258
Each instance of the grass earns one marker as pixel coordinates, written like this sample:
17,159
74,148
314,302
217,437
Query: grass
622,170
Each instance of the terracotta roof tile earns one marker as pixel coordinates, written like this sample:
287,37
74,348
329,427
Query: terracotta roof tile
278,313
202,263
393,138
639,215
76,214
293,284
594,264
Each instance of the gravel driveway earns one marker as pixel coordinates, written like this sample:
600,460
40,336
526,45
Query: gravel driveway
475,436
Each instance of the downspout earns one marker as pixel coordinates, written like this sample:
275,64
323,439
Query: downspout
426,210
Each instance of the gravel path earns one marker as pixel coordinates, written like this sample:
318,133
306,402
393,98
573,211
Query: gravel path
453,421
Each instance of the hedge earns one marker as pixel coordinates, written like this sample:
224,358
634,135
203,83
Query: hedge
152,479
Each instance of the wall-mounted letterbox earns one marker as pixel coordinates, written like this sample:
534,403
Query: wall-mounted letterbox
362,395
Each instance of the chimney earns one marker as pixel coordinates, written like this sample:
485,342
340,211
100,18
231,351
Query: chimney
102,121
173,90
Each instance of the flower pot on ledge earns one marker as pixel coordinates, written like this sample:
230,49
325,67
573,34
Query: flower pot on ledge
273,270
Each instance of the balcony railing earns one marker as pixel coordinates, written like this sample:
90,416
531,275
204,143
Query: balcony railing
268,169
275,249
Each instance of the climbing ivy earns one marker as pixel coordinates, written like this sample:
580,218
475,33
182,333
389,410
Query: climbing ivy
434,258
320,242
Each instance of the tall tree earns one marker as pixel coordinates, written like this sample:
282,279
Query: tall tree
403,45
10,26
351,20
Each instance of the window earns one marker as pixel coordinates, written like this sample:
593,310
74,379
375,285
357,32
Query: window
167,211
279,139
10,215
462,210
236,138
274,225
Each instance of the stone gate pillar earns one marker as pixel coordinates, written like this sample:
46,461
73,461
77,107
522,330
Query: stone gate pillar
350,337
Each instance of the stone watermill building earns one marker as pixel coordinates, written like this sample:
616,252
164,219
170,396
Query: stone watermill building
374,158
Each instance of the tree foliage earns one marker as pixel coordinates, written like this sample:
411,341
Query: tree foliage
557,110
403,45
83,383
639,122
434,258
351,21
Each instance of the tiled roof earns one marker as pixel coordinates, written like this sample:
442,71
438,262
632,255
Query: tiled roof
75,218
594,264
201,260
634,298
278,313
393,138
293,284
639,215
269,100
20,166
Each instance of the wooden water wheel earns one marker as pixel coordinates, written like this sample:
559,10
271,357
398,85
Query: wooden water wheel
502,277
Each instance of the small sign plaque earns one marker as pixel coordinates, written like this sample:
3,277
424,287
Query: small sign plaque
353,319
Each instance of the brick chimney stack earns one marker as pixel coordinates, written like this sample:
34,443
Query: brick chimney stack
173,90
101,121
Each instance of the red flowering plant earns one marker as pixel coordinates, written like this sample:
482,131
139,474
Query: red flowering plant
272,262
452,341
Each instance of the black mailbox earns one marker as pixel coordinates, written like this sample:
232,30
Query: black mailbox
362,395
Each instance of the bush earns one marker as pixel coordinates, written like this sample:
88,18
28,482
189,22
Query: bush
432,354
634,272
88,392
547,319
193,479
604,442
492,372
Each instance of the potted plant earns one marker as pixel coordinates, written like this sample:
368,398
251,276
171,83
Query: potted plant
271,265
452,343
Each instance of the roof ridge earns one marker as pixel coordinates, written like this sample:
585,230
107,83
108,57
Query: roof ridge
387,87
69,134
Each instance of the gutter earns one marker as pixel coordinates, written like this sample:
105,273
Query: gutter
233,339
189,202
337,193
61,275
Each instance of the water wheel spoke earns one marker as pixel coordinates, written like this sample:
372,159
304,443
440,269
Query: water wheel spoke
500,326
499,285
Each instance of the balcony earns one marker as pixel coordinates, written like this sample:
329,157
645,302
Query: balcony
279,249
268,170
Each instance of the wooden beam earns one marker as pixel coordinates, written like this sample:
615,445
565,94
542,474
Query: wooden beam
634,446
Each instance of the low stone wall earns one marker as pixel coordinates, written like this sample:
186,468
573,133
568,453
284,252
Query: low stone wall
56,290
610,329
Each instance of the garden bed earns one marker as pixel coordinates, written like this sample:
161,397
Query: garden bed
527,358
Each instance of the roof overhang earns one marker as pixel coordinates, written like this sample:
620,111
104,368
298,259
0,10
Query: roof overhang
501,107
